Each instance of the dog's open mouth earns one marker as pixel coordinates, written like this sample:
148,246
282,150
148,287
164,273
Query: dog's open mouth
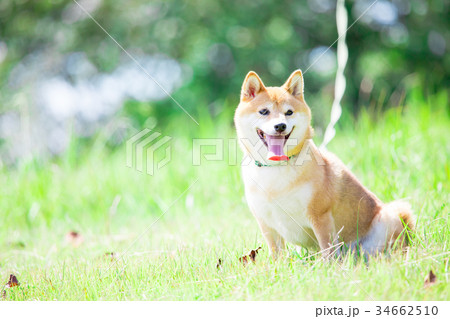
275,145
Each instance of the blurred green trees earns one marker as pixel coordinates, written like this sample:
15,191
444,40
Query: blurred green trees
394,43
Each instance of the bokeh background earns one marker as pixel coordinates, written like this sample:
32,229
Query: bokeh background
76,223
63,78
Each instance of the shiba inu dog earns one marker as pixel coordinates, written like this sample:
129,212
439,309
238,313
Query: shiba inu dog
298,193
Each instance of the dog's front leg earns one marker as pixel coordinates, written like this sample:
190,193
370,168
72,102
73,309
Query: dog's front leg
325,232
274,240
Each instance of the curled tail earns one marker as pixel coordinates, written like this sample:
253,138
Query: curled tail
392,226
400,211
406,216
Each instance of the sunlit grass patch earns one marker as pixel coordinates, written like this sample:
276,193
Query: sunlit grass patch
166,247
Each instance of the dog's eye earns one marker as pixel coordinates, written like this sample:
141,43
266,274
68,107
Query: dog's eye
289,113
264,112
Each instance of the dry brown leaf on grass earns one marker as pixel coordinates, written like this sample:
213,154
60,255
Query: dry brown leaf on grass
250,256
243,260
12,282
253,253
110,255
74,238
430,279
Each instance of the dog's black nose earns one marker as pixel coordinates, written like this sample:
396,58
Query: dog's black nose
280,127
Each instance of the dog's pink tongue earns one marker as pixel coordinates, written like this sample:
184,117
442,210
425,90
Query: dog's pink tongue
275,146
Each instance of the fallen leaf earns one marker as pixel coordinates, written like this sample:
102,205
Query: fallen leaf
219,263
243,260
251,255
74,238
111,255
12,282
430,279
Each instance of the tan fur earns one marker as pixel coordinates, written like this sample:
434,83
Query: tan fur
337,204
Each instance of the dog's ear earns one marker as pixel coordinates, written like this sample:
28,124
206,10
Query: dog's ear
294,85
251,87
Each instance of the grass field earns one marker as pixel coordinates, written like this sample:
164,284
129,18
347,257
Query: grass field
402,153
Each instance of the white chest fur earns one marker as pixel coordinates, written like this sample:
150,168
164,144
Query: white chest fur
279,202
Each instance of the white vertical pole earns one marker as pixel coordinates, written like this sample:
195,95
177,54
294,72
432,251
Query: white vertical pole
339,85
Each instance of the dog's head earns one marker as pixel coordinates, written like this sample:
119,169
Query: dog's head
270,119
